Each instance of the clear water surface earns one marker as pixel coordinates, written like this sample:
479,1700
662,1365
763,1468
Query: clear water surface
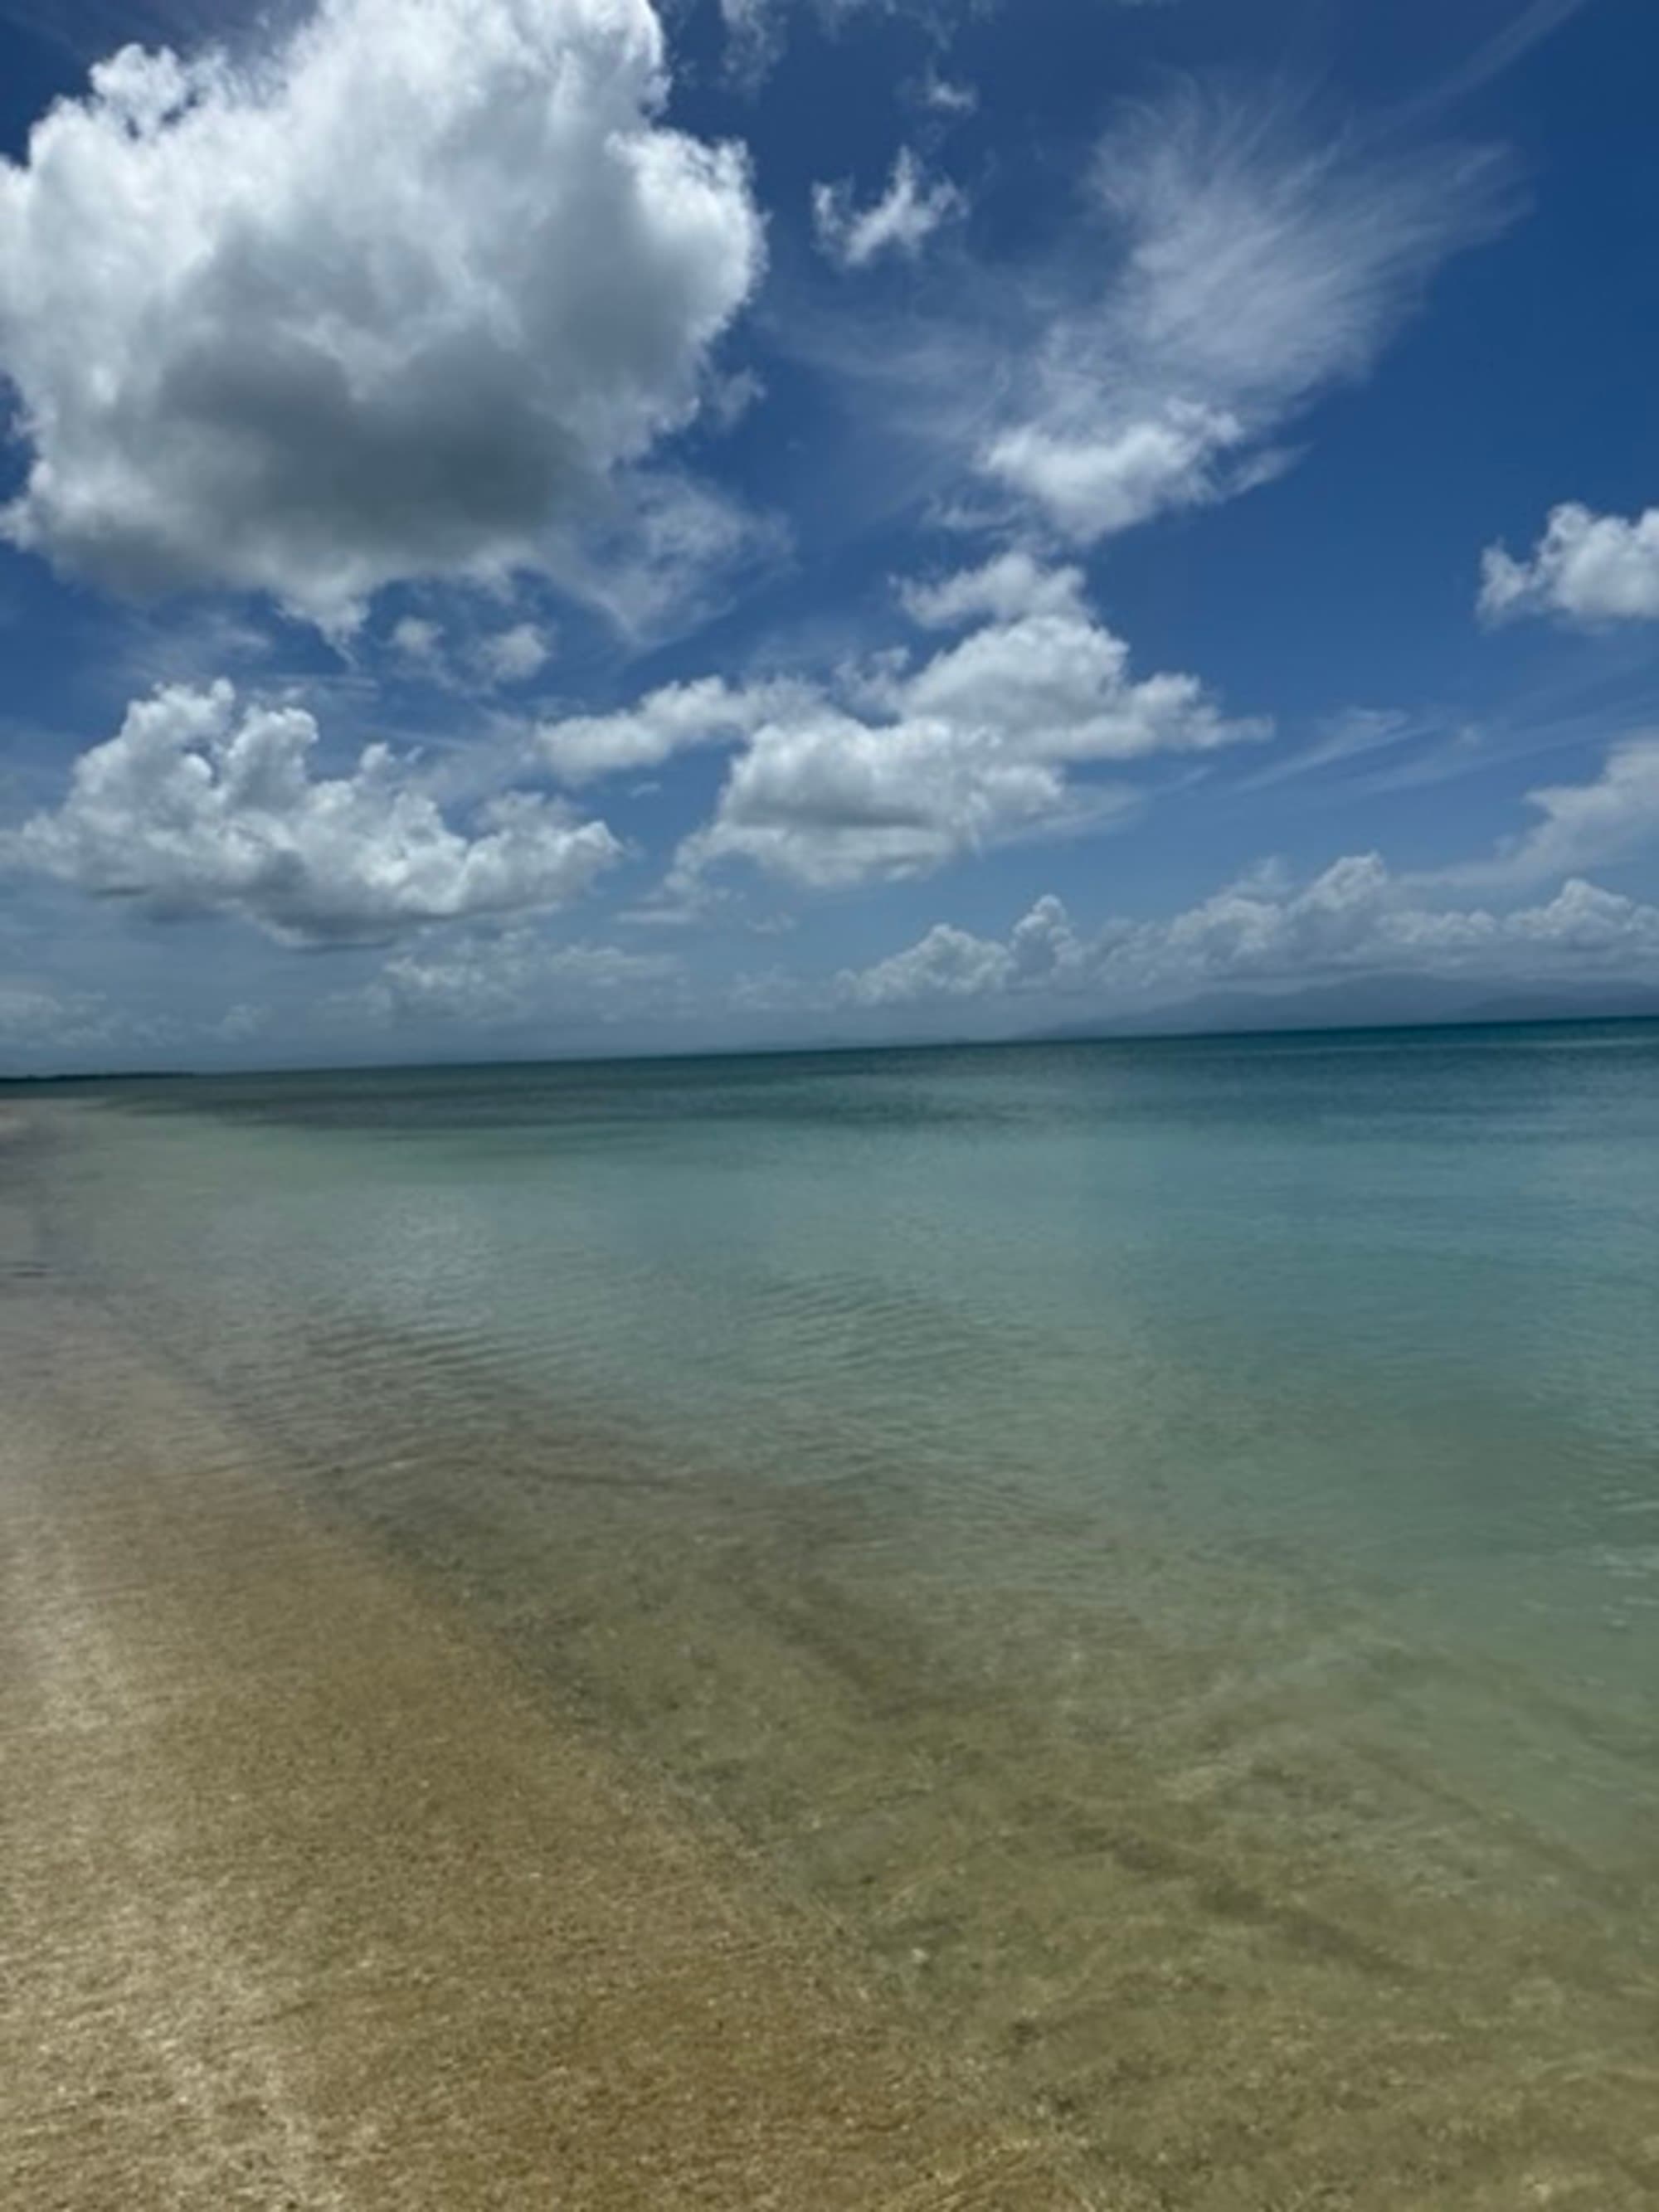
1162,1540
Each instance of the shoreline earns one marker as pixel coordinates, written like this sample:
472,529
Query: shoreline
310,1903
364,1589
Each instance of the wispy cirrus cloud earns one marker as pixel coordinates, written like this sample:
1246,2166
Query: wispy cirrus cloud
756,30
1248,267
1529,27
1225,266
1362,735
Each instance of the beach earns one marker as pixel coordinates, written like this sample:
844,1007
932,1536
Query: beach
828,1106
309,1903
435,1780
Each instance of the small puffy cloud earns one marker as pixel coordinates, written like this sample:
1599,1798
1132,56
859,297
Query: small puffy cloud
730,398
517,655
678,718
1586,567
900,222
32,1015
49,1026
944,96
1043,952
1246,270
896,768
947,964
1092,481
515,977
398,297
241,1023
1011,586
25,1012
202,806
416,639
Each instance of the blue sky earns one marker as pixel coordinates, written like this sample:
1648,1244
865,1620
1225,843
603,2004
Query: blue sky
544,526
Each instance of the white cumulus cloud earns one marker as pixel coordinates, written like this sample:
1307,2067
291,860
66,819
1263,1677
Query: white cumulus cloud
517,655
397,297
896,767
515,976
420,640
1580,825
1588,567
1007,587
202,806
900,222
1042,952
36,1018
678,718
947,95
1355,918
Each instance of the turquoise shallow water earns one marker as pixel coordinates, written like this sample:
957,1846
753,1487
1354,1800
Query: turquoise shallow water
1251,1446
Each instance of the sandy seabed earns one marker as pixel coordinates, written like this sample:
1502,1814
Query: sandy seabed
307,1902
460,1826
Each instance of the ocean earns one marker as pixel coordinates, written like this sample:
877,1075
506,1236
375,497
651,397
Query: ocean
1159,1541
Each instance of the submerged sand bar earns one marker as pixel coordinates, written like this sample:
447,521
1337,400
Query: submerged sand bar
308,1902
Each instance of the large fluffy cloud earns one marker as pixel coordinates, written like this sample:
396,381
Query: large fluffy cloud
394,299
199,805
898,766
1587,567
1355,918
1240,270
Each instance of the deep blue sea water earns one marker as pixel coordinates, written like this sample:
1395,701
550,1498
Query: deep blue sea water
1242,1450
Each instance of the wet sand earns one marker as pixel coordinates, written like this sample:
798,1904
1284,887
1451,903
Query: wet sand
309,1902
